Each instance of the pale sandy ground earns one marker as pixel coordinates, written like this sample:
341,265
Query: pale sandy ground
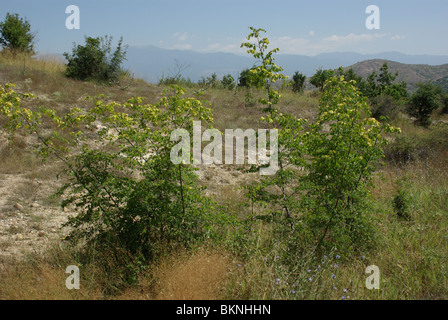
28,223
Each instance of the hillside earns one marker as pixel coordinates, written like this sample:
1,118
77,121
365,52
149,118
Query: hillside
410,73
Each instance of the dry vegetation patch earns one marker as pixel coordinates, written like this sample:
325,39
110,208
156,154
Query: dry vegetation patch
198,276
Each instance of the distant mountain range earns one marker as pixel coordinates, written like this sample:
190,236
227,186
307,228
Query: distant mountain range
152,63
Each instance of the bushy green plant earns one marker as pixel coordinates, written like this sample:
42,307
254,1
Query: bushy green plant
403,150
298,82
350,75
406,148
344,145
400,204
267,73
385,96
423,102
228,82
383,84
16,35
127,191
94,60
249,80
444,103
319,195
320,77
325,204
288,149
209,82
384,106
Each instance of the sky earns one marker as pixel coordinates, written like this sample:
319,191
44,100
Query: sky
295,26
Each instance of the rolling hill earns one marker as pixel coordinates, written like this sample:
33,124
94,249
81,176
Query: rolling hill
410,73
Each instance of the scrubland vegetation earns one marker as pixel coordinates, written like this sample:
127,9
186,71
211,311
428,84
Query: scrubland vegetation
360,183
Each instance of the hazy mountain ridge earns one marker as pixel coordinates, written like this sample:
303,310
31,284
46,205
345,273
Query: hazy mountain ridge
152,63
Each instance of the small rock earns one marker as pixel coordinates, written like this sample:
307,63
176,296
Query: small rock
19,237
41,234
6,209
18,206
34,205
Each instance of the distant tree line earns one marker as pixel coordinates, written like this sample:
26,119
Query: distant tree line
386,97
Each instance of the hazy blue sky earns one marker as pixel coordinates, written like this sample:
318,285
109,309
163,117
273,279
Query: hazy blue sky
299,27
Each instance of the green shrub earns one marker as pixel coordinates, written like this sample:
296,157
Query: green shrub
228,82
298,82
16,35
267,73
401,205
326,204
384,106
412,147
423,102
383,84
249,80
403,150
320,77
209,82
344,146
444,103
94,60
127,191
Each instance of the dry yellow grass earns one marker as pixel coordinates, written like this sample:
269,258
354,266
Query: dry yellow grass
199,276
40,281
27,62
